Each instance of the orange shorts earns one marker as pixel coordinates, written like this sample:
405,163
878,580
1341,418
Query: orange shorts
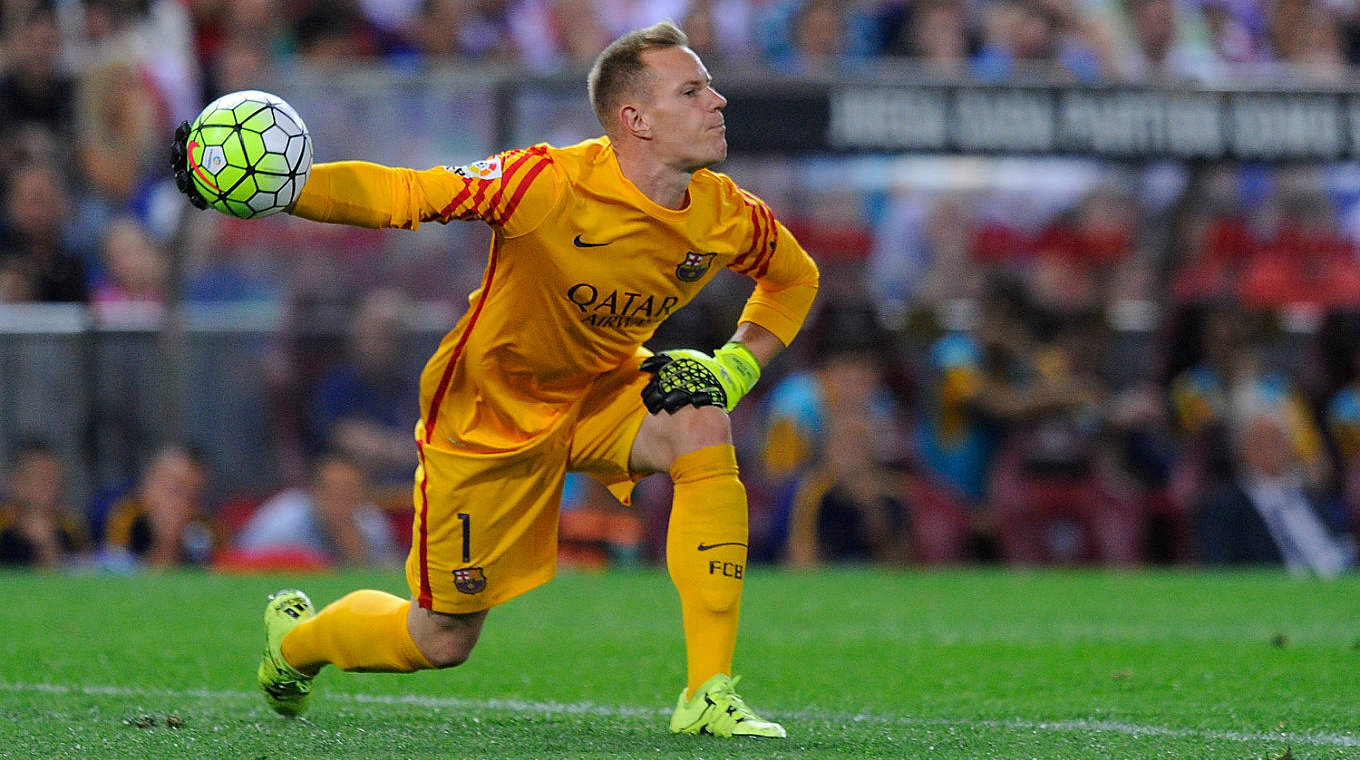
485,526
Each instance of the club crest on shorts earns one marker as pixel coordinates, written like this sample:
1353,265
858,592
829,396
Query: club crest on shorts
469,580
694,266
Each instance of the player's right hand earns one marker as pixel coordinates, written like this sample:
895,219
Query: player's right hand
179,165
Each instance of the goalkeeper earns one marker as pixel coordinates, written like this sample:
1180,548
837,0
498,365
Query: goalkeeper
594,245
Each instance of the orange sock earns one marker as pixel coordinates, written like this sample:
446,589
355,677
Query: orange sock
706,557
363,631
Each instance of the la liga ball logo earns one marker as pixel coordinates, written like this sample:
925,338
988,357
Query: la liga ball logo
214,158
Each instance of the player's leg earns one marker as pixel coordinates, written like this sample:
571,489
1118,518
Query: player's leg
462,562
617,440
706,549
706,540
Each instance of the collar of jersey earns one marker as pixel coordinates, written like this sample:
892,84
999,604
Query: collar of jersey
640,198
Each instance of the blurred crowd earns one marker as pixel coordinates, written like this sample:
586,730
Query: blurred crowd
1157,363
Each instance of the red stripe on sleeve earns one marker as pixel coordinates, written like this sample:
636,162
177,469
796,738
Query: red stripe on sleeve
769,248
762,221
477,204
432,416
506,176
426,598
523,188
457,201
755,243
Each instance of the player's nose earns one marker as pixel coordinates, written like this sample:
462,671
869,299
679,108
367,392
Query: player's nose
719,102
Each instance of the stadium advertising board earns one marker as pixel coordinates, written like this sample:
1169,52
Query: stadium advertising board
1118,122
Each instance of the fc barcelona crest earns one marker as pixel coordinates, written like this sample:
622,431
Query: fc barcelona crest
694,266
469,580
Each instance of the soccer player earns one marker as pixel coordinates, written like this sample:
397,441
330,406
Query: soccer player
594,245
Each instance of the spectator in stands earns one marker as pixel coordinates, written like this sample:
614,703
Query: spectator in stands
939,36
361,405
701,27
334,34
330,522
922,255
1237,30
814,37
17,281
956,437
836,452
1161,50
134,267
1051,498
37,527
163,521
1308,39
1230,369
35,93
846,376
119,146
35,210
461,30
1267,514
1033,37
551,35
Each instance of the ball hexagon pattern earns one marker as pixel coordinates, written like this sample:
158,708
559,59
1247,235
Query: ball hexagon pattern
249,154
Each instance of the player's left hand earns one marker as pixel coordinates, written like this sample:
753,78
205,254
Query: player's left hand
685,377
179,166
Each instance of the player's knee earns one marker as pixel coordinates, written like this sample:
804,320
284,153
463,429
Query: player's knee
700,427
447,650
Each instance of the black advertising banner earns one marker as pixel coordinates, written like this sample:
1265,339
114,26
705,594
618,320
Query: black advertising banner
1114,122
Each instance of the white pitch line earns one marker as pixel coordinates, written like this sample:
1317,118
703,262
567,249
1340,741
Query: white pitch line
623,711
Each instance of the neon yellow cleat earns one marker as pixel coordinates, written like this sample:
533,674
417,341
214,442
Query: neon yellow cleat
285,689
716,709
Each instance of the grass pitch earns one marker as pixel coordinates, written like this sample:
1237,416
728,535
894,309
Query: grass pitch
855,663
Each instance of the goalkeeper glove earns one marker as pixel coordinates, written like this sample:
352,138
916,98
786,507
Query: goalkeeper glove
179,165
686,377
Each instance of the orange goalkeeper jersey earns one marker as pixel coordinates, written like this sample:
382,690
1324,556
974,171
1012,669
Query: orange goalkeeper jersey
582,268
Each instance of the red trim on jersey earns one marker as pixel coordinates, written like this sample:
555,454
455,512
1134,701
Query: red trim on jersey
762,219
510,171
524,187
426,598
457,200
477,199
755,243
769,249
432,416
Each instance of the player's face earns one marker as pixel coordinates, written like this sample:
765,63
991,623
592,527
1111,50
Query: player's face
685,112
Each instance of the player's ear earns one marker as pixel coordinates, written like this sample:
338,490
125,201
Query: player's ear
634,123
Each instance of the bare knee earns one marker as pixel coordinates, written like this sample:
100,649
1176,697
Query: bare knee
446,651
663,437
699,427
445,640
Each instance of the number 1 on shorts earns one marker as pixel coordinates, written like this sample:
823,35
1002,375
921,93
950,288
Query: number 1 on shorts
467,535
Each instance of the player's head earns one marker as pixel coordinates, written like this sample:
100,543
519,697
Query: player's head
648,87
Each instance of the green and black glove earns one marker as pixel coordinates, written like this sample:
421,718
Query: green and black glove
685,377
179,166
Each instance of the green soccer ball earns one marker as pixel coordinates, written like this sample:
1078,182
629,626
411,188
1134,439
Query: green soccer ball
249,154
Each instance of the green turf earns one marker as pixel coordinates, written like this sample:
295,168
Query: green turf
856,664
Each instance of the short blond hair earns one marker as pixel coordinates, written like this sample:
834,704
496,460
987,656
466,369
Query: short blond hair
619,71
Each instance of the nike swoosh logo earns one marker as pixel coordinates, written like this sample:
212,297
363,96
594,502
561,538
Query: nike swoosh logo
583,244
703,547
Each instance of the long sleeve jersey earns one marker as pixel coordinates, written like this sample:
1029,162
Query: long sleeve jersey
582,269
